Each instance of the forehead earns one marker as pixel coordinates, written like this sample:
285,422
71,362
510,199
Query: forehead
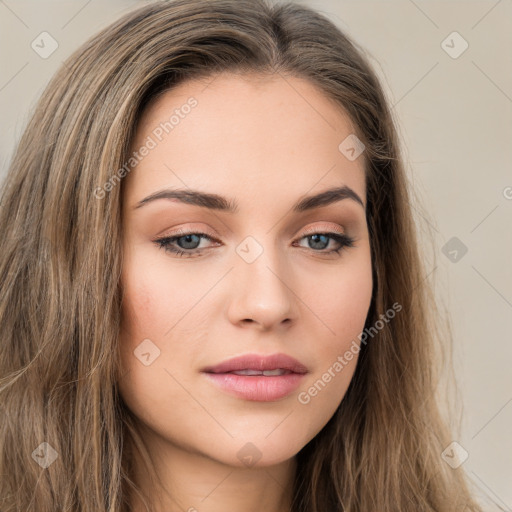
250,132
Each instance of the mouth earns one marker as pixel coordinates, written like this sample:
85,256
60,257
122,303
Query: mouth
258,378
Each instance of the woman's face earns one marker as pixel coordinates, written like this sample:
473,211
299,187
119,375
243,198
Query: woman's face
260,280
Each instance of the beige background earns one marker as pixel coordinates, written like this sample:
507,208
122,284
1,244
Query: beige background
455,118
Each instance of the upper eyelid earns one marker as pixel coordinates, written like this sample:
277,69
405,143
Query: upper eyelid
311,231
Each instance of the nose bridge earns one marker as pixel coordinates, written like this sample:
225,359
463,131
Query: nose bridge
261,292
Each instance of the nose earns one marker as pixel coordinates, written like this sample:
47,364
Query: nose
262,293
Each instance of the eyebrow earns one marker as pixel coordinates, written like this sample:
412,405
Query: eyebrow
220,203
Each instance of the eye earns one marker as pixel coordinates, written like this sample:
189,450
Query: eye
188,244
320,241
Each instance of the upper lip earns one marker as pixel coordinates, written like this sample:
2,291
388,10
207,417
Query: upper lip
258,362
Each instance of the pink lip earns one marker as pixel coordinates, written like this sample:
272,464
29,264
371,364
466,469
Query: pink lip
258,387
258,362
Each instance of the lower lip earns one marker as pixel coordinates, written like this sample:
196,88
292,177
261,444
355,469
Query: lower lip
255,387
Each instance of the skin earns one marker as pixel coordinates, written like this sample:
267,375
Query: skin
266,142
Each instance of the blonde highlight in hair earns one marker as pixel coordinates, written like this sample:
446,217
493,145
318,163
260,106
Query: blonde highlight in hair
61,262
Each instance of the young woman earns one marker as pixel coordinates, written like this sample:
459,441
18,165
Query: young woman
212,296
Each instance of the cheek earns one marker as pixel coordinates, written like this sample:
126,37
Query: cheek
142,325
141,318
341,307
154,307
137,313
150,299
341,302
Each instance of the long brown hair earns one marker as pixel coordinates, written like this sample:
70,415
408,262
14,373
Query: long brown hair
61,260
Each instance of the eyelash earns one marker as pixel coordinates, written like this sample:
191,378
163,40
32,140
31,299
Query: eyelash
165,243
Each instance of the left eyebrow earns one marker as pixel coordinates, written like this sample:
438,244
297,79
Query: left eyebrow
217,202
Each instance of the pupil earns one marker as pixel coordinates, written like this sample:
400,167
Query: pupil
187,239
315,238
